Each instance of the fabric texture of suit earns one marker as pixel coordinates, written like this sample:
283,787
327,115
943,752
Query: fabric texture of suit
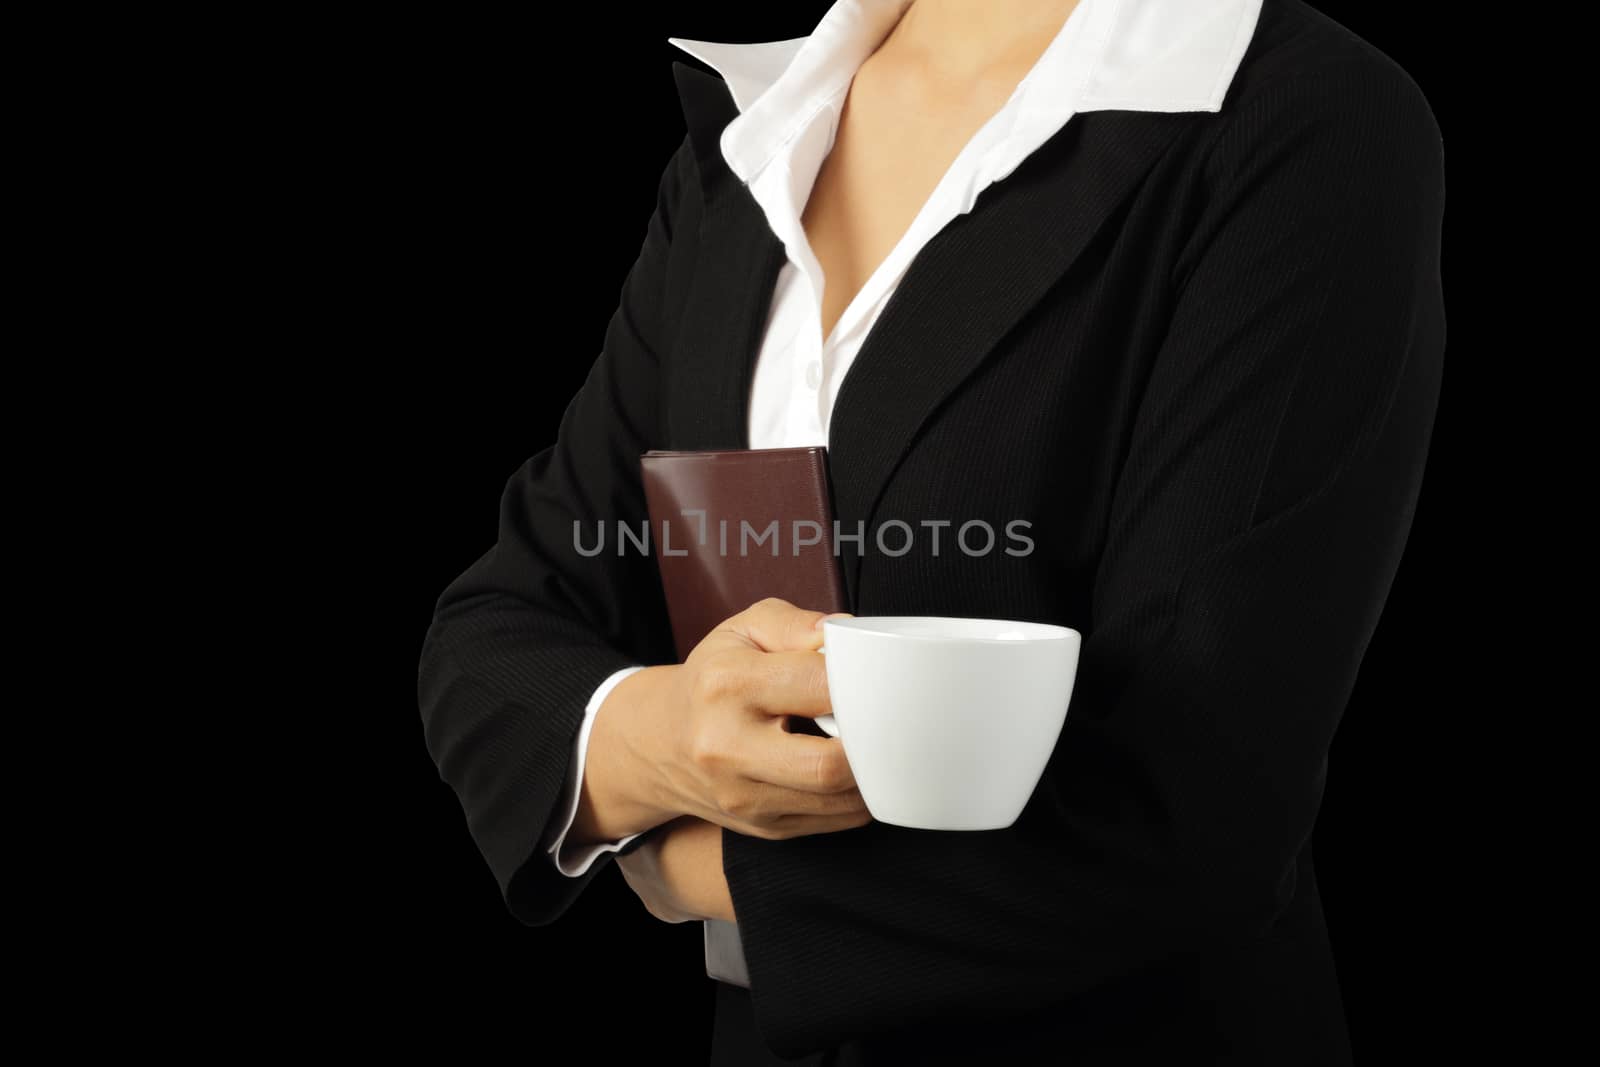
1201,354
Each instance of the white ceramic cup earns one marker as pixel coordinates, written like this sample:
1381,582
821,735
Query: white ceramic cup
947,723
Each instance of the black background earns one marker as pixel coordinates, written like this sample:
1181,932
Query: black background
476,307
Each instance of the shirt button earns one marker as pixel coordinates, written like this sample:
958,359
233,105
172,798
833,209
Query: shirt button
813,374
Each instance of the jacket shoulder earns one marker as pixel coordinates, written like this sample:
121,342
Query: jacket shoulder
1303,63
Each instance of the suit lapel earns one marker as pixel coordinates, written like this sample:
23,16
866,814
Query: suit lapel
737,265
970,285
720,327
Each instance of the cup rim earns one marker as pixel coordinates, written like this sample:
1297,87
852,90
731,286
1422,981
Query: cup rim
1037,632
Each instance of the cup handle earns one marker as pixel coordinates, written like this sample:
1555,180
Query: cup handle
829,727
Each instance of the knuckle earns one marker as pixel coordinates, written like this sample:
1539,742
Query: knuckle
817,679
849,820
833,769
707,684
737,802
705,752
717,680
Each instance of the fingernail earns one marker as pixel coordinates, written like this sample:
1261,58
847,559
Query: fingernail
836,615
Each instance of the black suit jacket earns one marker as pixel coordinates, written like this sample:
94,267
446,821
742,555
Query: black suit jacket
1200,353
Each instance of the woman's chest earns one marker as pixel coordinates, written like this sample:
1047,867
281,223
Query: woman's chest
867,193
997,385
973,464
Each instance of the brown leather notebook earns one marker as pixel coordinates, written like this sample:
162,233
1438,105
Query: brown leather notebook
729,528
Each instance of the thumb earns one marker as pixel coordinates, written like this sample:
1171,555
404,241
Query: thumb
775,625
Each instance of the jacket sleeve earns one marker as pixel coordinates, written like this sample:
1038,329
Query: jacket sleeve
1257,523
521,639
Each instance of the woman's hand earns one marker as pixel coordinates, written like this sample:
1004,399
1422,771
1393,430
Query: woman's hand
677,872
710,737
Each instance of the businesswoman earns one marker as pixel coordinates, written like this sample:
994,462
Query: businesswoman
1160,278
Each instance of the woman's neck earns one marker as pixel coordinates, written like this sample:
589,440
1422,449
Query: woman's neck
972,39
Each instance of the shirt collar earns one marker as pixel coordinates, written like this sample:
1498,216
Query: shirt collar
1111,55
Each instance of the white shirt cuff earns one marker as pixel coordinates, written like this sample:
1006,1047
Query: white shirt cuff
576,860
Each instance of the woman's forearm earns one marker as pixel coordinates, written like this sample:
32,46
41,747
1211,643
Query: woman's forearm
677,873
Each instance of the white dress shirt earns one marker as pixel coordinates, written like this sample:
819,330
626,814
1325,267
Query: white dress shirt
1119,55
